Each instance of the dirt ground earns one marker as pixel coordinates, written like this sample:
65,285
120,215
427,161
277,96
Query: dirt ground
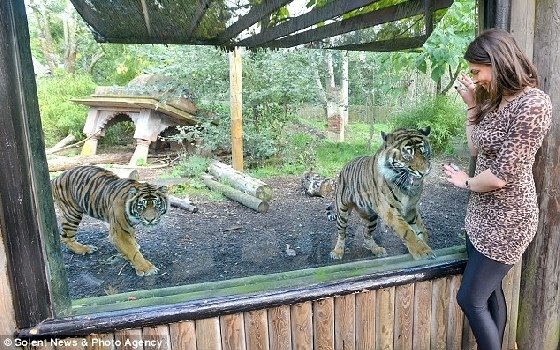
225,239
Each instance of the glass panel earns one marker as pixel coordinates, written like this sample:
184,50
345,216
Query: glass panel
176,100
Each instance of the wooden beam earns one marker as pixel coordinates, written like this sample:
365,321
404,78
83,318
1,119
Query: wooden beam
367,20
320,14
428,17
27,218
236,108
539,312
256,13
89,15
103,322
386,45
146,14
198,14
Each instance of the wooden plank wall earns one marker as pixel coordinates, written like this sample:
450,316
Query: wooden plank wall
419,316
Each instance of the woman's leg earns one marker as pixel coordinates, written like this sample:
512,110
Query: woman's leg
482,299
498,309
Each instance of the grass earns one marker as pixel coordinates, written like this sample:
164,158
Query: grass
304,151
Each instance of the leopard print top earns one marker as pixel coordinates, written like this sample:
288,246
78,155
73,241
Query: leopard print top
502,223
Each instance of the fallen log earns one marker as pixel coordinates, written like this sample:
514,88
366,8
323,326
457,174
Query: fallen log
240,181
61,144
244,198
315,185
124,173
182,204
65,163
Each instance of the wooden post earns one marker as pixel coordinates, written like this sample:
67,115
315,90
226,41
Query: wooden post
522,22
236,108
27,219
8,320
539,311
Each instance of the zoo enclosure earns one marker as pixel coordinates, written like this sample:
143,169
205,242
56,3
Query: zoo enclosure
27,289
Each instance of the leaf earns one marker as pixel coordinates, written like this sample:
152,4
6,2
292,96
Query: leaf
421,64
437,72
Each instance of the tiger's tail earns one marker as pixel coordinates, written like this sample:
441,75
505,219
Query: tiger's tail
331,213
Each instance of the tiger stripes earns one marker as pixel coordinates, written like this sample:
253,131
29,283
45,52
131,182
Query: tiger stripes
123,203
386,185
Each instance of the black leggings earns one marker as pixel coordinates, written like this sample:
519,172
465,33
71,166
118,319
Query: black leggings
482,299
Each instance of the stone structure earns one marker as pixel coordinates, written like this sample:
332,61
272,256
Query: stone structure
150,101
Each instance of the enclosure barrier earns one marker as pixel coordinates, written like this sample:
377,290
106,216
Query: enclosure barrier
407,308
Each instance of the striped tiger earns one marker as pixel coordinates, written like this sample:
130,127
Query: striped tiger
123,203
387,185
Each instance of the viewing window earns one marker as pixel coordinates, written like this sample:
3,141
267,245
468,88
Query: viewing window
162,115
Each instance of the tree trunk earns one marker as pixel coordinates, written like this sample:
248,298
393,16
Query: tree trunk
240,181
344,84
65,163
321,93
184,204
335,123
238,196
539,311
45,36
96,58
69,21
334,94
330,70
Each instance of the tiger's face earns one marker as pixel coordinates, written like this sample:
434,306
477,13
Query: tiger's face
147,204
407,156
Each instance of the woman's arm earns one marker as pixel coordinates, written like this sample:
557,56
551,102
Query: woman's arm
486,181
469,128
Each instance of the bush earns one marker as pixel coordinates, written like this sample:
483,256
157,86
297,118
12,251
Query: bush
59,115
192,167
444,115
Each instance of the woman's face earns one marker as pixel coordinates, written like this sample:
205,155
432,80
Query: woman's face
481,74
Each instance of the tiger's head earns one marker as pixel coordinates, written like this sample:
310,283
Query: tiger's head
146,204
406,156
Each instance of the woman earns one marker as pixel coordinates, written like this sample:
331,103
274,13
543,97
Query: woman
507,120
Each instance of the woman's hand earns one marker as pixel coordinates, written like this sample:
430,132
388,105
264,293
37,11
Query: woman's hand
465,88
455,175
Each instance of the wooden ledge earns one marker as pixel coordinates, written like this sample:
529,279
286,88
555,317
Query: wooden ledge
107,314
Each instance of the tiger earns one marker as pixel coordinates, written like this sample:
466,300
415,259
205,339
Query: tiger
123,203
387,184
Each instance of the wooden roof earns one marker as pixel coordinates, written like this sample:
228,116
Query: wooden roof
368,25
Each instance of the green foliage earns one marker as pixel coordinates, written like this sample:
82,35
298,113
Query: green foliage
60,116
302,151
192,167
444,49
442,114
332,156
120,134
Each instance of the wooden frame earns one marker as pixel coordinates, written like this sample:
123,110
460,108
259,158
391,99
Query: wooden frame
25,201
27,225
30,228
179,23
207,308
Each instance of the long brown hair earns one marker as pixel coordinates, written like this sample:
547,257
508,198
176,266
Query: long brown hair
512,71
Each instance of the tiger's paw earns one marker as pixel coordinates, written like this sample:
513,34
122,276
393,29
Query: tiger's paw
423,252
378,252
338,252
81,249
336,255
147,270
